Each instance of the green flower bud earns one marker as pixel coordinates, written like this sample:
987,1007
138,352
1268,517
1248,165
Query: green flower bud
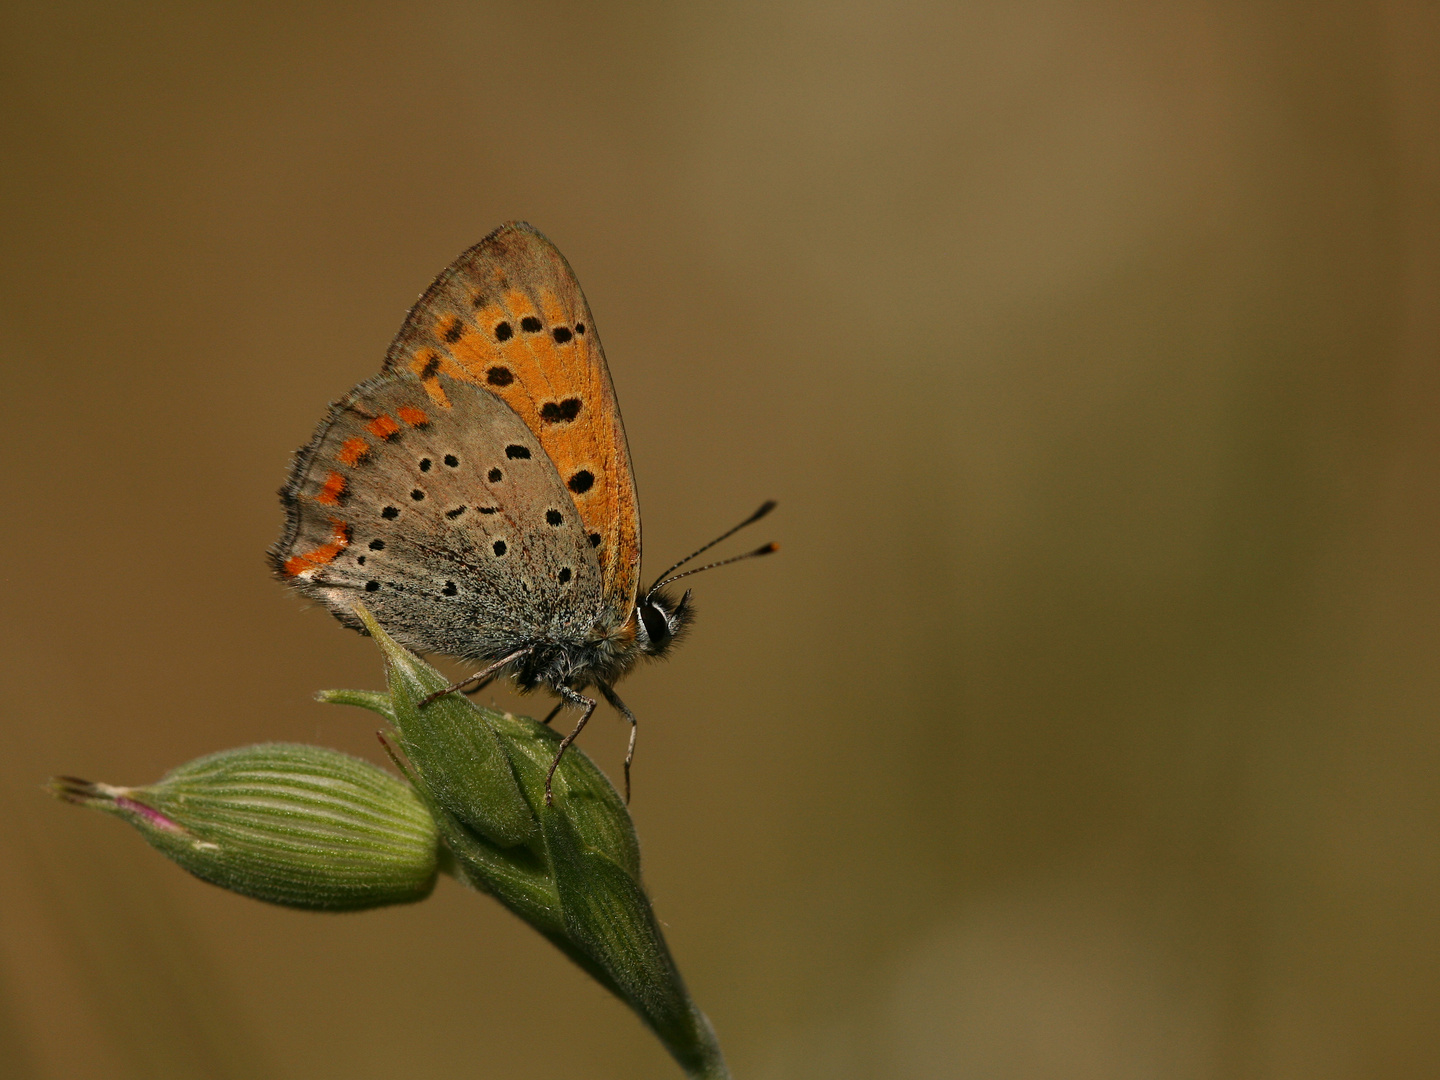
575,878
301,826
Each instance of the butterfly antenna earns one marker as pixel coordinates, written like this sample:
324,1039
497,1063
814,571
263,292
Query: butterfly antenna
756,516
766,550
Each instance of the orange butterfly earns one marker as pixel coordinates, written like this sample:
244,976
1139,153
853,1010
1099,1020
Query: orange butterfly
477,495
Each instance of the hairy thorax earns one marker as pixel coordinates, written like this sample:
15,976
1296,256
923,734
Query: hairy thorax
602,659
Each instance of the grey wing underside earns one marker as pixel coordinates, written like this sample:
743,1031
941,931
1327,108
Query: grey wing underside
443,514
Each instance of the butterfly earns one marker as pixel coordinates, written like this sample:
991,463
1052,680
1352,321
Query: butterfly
477,495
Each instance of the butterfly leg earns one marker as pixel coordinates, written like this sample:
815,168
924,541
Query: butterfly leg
580,701
553,712
624,710
489,672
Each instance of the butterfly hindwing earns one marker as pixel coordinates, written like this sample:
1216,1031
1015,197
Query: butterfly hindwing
509,316
435,505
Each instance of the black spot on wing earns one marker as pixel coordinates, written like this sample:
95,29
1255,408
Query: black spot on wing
530,324
499,376
581,482
560,412
515,450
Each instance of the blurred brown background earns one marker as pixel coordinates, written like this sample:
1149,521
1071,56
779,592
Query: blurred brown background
1085,726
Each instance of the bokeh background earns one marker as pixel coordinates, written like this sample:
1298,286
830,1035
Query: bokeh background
1086,725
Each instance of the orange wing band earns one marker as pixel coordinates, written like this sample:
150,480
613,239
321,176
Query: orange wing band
321,556
333,491
353,452
383,427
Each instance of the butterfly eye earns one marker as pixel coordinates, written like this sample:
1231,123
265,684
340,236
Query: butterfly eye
657,627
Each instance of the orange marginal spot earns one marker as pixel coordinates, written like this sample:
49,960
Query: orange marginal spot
353,452
413,417
437,393
321,556
333,491
383,427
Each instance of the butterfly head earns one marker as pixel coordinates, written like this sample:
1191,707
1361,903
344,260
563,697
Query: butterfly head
661,621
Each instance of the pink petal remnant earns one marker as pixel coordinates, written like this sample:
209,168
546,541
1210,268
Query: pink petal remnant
115,799
151,815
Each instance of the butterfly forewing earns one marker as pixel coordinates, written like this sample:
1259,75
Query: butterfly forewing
509,316
435,505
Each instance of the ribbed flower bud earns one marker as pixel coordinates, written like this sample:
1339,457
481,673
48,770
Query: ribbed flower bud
301,826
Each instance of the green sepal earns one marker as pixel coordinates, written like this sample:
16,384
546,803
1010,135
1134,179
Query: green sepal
576,878
373,700
518,876
453,746
609,919
300,826
591,803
